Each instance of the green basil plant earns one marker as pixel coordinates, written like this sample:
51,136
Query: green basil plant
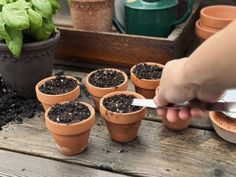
32,18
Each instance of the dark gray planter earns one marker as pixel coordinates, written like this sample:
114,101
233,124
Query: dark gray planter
35,63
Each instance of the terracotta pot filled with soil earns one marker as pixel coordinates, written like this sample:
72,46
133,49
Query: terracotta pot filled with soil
123,120
103,81
146,78
70,124
56,89
92,15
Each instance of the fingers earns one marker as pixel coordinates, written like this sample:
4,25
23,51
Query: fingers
159,99
184,114
172,115
197,112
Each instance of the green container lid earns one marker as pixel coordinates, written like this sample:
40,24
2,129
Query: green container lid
150,4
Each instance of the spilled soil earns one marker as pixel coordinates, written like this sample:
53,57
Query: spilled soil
14,108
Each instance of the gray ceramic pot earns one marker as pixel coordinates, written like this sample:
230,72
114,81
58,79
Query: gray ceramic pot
34,64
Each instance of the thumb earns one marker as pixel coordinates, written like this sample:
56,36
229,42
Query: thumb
159,99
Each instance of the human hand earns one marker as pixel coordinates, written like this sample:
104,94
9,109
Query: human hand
177,85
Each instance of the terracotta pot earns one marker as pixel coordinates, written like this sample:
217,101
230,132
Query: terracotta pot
49,100
204,32
34,64
71,139
145,87
92,15
122,127
98,92
224,126
178,125
217,16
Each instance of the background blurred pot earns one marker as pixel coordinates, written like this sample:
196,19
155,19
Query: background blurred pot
34,64
92,15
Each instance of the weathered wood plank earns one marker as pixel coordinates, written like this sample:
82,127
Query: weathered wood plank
156,152
203,123
16,164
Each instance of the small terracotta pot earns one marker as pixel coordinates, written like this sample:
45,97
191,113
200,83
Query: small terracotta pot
49,100
145,87
71,139
178,125
204,32
122,127
92,15
217,16
98,92
224,126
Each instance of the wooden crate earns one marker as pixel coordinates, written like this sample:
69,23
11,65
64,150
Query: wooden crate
98,49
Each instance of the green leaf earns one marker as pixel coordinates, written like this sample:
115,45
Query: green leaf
16,42
9,1
3,32
44,32
43,7
15,16
36,20
55,6
2,2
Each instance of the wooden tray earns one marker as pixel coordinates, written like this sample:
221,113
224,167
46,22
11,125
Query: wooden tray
100,49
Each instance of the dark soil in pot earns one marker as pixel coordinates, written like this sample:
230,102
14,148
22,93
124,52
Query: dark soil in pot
106,78
59,85
120,103
69,113
14,108
145,71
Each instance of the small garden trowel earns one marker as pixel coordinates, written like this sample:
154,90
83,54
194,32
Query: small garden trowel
229,107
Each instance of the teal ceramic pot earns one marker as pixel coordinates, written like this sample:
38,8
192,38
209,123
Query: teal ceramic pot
153,17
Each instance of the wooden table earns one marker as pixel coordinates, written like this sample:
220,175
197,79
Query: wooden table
28,149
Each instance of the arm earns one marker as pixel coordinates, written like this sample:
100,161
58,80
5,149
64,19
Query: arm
205,74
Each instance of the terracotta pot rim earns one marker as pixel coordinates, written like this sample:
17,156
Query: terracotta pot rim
118,93
107,88
92,114
148,63
203,12
204,29
53,77
212,118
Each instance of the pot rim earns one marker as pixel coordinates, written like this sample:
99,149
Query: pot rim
212,116
36,45
53,77
106,88
203,12
92,114
119,93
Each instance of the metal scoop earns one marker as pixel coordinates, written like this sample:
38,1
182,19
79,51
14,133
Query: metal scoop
229,107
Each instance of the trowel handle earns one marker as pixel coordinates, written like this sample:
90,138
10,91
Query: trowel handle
186,14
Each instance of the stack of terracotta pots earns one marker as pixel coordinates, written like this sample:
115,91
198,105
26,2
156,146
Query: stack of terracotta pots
213,19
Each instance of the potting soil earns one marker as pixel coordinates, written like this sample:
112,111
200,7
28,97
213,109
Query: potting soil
14,108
